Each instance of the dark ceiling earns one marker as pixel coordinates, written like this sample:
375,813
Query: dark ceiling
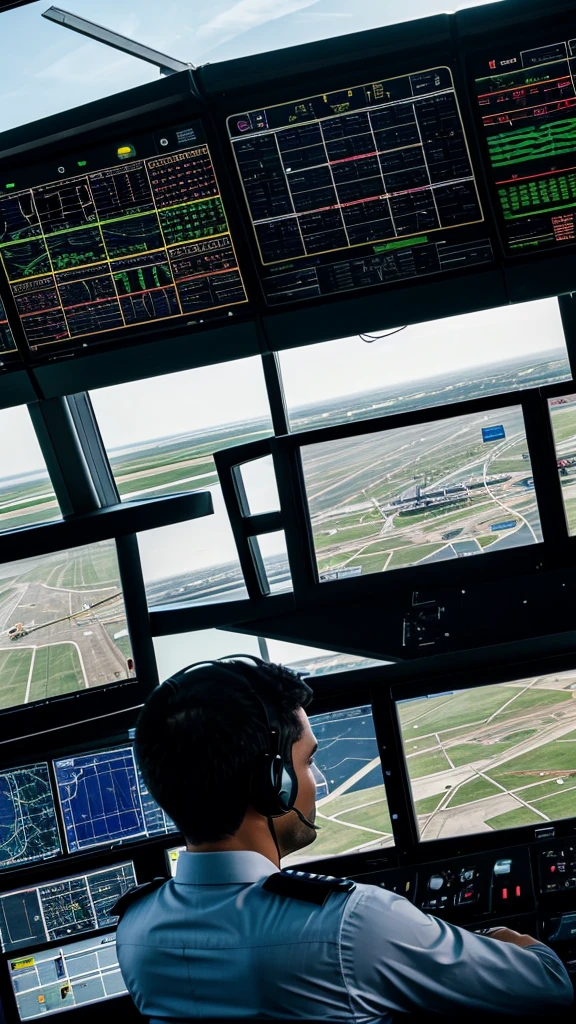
7,5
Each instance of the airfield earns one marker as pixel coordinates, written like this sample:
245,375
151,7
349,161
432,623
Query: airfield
70,605
563,416
421,494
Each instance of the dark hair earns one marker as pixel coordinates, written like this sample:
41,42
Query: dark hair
196,741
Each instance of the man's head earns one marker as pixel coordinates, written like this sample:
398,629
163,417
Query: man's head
201,741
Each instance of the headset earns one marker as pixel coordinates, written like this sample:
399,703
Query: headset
273,783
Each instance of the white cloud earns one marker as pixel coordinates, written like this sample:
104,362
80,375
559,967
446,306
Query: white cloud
246,14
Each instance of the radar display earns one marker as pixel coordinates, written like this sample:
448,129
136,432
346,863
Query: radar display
526,100
63,908
104,800
28,827
75,974
380,170
119,246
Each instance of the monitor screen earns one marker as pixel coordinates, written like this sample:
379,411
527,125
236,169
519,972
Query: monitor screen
104,800
73,974
129,234
351,805
366,186
62,624
172,856
7,343
64,908
492,757
421,494
526,100
28,826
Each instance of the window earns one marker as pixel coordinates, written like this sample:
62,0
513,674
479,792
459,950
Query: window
26,493
421,494
491,757
160,435
425,365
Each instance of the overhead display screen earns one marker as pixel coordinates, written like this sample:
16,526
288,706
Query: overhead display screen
492,757
64,908
104,800
28,827
353,189
527,103
123,236
74,974
6,337
421,494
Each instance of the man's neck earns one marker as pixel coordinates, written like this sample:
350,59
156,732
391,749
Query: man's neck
256,840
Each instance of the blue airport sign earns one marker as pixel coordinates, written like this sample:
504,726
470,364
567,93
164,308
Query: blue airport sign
508,524
493,433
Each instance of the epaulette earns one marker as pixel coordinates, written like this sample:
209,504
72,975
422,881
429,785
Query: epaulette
302,885
135,893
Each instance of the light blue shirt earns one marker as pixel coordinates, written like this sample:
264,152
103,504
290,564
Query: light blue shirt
213,943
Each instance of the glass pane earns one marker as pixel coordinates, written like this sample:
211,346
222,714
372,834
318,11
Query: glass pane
315,661
259,481
491,757
563,417
351,805
26,493
63,624
181,649
421,494
424,365
275,557
160,436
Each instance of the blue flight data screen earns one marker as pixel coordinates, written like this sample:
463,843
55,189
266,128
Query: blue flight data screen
28,826
104,800
362,187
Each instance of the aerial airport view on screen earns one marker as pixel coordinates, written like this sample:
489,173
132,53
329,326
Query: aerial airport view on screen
421,494
492,757
62,624
563,416
351,805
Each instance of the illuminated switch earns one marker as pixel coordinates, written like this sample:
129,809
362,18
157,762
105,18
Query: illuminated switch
504,894
518,891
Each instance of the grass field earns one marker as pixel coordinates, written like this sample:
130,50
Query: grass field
476,789
84,568
14,670
56,670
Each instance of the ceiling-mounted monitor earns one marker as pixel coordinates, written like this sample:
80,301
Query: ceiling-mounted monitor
525,97
112,223
368,185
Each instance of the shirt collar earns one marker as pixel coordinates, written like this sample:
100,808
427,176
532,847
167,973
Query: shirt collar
228,867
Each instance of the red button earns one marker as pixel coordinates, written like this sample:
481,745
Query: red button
518,890
504,894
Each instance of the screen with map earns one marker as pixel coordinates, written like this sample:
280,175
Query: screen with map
526,100
64,908
351,805
72,974
421,494
104,800
7,343
126,235
63,622
28,827
492,757
366,186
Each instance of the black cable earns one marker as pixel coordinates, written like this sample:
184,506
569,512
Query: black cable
378,337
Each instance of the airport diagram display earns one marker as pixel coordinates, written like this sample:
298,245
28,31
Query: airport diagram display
28,827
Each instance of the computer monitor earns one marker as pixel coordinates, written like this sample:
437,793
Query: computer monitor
109,240
62,624
351,804
368,185
72,974
104,800
525,98
491,757
28,826
7,343
172,855
420,494
63,908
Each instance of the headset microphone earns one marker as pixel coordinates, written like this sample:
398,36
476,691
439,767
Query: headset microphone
305,821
